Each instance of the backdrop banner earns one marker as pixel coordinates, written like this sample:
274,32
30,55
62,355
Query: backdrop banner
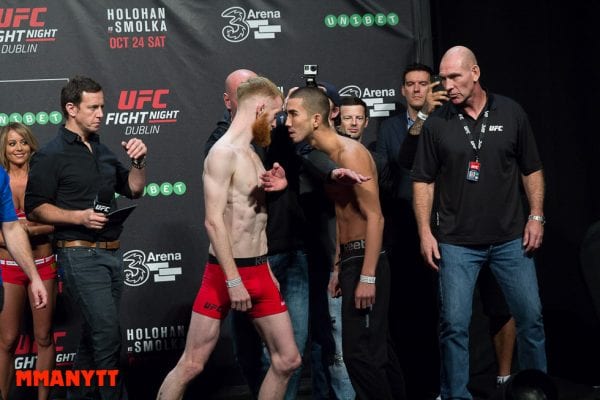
162,65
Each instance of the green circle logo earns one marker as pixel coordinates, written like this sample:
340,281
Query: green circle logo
166,189
343,20
179,188
55,117
380,19
355,20
330,21
152,190
29,118
15,117
42,118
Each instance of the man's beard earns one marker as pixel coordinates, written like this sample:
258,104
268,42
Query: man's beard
261,131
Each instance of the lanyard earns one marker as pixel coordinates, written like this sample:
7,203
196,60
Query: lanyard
470,137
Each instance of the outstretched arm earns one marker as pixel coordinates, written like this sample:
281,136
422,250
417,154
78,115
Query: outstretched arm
347,176
274,179
320,165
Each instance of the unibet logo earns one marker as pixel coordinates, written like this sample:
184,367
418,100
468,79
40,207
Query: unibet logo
29,118
356,20
165,188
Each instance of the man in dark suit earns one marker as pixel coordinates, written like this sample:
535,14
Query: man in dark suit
413,300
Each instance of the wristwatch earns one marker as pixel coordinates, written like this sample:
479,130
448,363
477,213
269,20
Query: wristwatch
540,218
138,163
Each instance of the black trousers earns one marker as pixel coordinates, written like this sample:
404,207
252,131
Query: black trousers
369,356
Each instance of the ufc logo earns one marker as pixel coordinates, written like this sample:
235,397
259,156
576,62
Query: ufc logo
496,128
137,99
210,306
27,345
101,208
12,17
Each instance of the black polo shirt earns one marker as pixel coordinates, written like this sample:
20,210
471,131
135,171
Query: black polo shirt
490,210
66,174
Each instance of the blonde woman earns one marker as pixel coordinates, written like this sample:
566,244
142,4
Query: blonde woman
17,144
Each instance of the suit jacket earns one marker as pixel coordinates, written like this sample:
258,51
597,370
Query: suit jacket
390,137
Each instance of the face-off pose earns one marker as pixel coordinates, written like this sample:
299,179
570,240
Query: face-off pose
371,362
237,274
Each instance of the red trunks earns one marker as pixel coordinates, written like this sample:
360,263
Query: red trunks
213,299
12,273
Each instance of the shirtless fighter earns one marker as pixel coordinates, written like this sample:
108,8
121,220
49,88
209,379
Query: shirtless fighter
361,266
237,274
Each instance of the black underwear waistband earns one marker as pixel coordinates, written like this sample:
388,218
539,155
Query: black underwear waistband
242,262
353,248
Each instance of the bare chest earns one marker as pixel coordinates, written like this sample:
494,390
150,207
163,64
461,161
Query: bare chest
246,179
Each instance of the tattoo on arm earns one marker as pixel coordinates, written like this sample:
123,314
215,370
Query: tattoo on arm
416,128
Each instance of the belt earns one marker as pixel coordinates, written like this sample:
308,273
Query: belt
114,245
242,262
38,261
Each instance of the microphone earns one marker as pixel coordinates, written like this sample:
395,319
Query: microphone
103,200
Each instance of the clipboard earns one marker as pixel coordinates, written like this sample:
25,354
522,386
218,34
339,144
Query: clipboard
119,216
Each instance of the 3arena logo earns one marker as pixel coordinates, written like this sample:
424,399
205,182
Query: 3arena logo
242,22
375,99
23,28
143,111
139,267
